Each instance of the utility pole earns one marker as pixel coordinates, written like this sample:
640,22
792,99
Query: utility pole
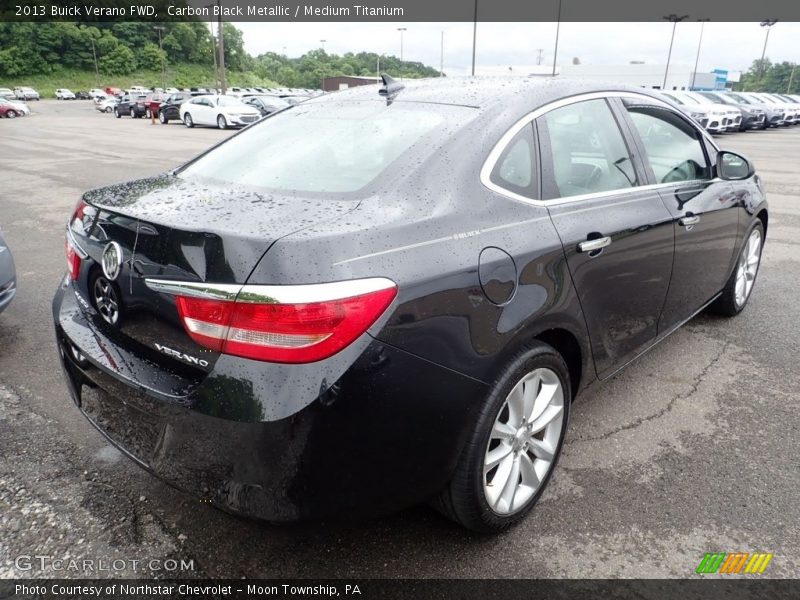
159,29
539,55
768,24
96,69
221,47
675,20
474,36
378,69
558,29
791,79
441,58
323,44
699,44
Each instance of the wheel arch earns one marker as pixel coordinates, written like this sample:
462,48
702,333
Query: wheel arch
763,216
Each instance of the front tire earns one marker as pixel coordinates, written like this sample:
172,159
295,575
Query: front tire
11,114
741,282
509,458
162,117
221,122
187,120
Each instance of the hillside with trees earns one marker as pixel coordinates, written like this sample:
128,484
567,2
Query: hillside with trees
81,55
780,78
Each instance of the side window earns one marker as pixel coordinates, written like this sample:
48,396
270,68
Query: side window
672,146
515,168
587,150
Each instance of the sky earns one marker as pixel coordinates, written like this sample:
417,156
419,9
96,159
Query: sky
731,46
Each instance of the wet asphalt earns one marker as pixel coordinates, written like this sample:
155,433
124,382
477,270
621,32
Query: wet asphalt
692,449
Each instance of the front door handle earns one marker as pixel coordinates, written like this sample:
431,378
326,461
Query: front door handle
594,245
689,220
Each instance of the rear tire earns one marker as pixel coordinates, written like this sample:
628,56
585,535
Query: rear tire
117,113
11,114
508,460
109,109
740,285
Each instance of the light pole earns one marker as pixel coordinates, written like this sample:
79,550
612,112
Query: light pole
159,29
323,44
768,24
558,29
401,30
441,58
699,44
474,36
791,79
675,19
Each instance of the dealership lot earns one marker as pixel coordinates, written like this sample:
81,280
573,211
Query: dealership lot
690,450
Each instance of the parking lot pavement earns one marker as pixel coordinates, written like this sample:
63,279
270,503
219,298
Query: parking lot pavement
694,448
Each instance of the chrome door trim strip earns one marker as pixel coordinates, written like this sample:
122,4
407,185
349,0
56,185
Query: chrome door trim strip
494,155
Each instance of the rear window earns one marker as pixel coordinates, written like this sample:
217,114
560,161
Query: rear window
325,147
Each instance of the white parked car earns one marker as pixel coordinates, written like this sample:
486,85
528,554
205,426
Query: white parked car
791,111
26,93
106,105
222,111
733,115
64,94
6,93
718,116
171,90
97,92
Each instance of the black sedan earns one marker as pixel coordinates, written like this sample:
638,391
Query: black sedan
372,300
170,108
265,103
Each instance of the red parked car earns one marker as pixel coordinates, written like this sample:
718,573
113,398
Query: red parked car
153,101
112,91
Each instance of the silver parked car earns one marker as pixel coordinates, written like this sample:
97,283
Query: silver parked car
8,275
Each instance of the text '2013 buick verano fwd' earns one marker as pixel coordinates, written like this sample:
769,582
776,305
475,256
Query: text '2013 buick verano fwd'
382,297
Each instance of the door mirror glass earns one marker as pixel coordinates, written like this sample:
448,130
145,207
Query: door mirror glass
731,166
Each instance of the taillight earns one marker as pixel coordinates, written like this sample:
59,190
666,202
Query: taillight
73,260
288,329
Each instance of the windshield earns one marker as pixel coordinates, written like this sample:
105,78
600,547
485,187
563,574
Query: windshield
688,99
715,98
228,101
675,99
741,98
325,147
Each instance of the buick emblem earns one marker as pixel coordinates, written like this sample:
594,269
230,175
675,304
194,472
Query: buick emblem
112,260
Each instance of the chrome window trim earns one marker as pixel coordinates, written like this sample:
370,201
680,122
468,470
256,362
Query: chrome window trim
494,155
272,294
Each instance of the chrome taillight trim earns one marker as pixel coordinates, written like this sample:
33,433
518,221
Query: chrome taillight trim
273,294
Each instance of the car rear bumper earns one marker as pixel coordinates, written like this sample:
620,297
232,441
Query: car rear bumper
385,435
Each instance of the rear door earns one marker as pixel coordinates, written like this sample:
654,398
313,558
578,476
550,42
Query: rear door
703,208
617,236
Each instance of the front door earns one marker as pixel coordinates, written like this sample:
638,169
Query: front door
704,209
617,237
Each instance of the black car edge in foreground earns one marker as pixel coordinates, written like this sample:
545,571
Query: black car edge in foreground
372,300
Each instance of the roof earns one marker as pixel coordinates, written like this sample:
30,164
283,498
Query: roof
482,92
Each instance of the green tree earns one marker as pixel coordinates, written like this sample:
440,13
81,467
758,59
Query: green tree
120,61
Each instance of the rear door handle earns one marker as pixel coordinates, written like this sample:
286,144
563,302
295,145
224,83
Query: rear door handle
596,244
689,220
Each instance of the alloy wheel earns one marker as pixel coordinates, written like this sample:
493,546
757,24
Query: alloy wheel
133,113
221,123
11,114
747,267
523,442
106,300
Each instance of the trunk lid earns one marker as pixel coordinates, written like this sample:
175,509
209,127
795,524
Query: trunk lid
171,228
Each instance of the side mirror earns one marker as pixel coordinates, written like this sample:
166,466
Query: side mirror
733,167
